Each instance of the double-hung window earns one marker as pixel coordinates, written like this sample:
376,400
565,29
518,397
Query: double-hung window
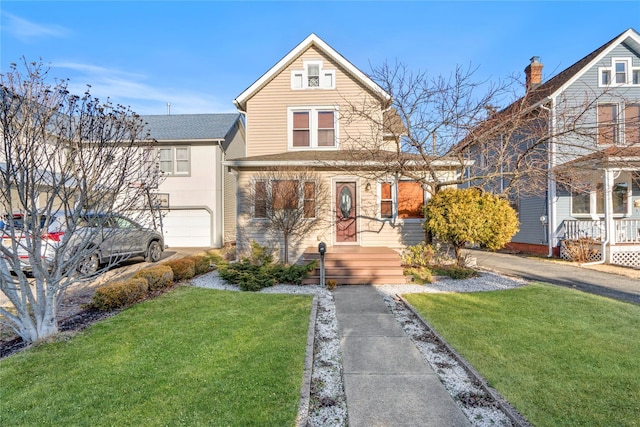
313,127
608,126
273,198
170,160
403,199
632,124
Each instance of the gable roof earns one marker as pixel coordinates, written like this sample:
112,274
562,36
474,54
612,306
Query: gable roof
552,87
311,40
180,127
560,81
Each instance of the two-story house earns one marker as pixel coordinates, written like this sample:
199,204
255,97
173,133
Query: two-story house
300,117
196,195
587,148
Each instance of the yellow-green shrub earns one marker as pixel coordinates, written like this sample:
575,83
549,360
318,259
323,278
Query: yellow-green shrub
158,276
119,294
183,268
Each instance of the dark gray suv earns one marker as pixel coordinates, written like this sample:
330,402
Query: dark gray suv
102,238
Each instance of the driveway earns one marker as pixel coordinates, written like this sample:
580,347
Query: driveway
563,274
81,293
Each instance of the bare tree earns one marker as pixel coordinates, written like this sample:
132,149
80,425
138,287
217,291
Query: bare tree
62,156
287,202
457,120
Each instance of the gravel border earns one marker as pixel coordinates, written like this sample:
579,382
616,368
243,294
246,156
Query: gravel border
326,405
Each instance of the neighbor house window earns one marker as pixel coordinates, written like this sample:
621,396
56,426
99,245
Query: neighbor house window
620,72
313,76
592,202
410,200
607,123
288,194
171,160
632,124
313,127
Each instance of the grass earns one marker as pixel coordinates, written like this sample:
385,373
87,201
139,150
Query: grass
561,357
190,357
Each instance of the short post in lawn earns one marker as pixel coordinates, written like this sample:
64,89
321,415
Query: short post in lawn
322,248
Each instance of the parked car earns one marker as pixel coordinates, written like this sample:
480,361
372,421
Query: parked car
103,237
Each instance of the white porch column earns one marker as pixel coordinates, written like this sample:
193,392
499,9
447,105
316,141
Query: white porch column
610,225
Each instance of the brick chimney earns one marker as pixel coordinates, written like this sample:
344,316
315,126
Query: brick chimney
533,72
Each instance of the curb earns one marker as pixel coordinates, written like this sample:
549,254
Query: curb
302,419
516,418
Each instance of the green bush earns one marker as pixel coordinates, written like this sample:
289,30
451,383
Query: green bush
420,275
119,294
420,255
158,276
201,262
292,274
183,268
251,276
455,272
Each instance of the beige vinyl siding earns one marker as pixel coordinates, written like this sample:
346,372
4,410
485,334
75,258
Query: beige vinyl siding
267,128
235,148
392,233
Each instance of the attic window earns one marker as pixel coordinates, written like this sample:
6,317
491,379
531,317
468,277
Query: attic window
313,77
620,72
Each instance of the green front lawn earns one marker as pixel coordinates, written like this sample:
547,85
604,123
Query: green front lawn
190,357
561,357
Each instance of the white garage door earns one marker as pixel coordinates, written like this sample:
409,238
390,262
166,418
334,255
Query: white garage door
187,228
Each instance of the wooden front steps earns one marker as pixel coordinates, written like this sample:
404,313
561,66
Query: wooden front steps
357,265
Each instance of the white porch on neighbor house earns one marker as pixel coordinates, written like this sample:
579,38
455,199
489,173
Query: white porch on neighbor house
622,246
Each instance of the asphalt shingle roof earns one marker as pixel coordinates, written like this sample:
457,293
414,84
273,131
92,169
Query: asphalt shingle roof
176,127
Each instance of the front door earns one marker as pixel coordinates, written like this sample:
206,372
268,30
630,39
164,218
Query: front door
346,231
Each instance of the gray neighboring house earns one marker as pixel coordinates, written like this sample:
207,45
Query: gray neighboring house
602,155
197,194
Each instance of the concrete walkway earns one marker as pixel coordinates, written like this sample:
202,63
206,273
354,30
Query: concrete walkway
563,274
386,380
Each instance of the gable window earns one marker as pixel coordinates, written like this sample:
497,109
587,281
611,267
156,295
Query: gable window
608,124
621,72
284,195
313,127
313,76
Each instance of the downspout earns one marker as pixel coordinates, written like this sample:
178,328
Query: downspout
551,189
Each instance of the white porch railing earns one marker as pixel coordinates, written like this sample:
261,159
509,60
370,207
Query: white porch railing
577,229
627,230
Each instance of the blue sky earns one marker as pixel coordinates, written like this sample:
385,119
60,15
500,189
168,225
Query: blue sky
200,55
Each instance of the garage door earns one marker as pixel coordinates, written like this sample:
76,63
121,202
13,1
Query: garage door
187,228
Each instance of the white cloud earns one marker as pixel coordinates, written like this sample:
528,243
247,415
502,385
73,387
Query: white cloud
27,30
130,89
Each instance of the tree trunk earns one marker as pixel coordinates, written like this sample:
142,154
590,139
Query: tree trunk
286,248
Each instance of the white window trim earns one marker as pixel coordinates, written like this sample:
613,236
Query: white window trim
269,190
174,162
394,201
623,122
303,77
593,200
612,72
313,126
